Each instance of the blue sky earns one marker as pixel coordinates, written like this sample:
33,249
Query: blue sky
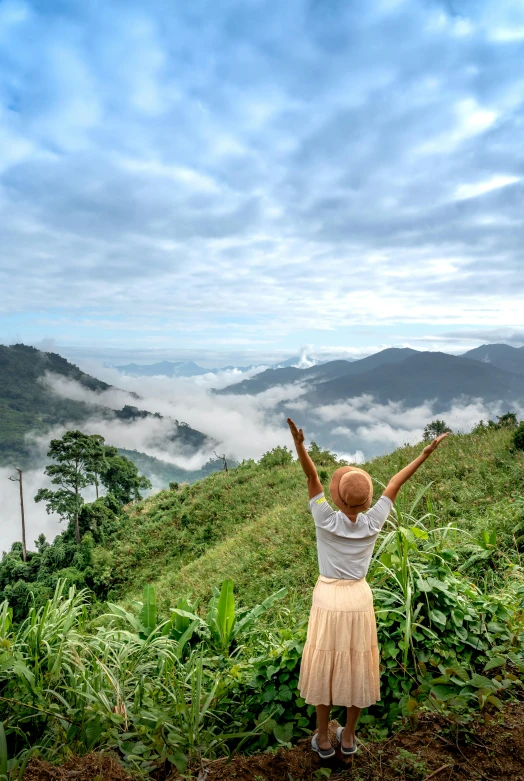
231,179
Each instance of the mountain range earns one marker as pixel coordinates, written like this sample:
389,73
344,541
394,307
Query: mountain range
402,374
189,368
493,373
317,374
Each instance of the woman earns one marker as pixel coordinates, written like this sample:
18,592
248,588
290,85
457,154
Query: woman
340,663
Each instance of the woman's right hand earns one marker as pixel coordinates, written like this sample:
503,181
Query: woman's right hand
297,433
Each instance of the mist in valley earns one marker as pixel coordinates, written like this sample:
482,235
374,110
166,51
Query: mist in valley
239,426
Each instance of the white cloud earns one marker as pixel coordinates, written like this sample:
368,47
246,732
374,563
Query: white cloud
479,188
245,426
157,173
507,34
378,428
36,518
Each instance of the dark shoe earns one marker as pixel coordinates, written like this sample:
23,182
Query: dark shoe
324,753
346,751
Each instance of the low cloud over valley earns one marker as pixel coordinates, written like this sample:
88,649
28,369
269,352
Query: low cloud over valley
242,426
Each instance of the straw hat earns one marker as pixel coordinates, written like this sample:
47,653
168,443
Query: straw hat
351,489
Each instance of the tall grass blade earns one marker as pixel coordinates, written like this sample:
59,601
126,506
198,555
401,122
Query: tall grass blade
418,498
148,613
3,754
226,614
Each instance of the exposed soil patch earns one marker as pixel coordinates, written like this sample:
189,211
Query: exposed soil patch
495,752
91,767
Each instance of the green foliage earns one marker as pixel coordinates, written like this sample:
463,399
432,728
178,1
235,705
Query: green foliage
279,456
33,582
450,629
80,460
508,420
77,460
221,616
148,612
409,765
3,754
119,475
518,436
435,429
71,688
225,623
322,457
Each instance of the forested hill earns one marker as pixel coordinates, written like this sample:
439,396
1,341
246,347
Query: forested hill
28,406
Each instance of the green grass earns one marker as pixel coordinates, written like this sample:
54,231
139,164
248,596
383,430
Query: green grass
254,525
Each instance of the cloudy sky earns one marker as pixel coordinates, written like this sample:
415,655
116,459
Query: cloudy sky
231,178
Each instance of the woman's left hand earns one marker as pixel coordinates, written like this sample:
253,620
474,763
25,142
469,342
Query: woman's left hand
297,433
434,445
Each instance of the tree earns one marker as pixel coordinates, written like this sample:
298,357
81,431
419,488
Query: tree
121,478
75,457
321,457
508,420
435,429
97,459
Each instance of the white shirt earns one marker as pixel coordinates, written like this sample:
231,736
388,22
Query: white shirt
345,548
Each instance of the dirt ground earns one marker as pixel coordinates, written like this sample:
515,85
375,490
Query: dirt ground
431,751
91,767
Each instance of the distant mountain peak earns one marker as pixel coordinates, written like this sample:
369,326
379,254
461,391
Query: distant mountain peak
501,355
163,369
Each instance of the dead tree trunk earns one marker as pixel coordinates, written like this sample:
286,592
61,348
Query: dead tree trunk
19,480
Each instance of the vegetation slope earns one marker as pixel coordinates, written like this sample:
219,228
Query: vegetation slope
254,525
168,689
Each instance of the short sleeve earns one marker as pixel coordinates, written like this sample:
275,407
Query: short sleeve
377,515
323,514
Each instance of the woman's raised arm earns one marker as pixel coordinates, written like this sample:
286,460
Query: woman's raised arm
396,482
314,486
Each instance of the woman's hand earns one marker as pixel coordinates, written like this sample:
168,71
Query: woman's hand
297,433
314,486
428,450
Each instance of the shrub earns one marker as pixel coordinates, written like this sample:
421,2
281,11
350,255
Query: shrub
518,436
279,456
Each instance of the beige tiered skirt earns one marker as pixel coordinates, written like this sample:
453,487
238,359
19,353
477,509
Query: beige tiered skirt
340,662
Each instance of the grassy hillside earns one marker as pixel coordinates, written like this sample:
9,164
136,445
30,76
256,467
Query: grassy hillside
163,473
254,525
